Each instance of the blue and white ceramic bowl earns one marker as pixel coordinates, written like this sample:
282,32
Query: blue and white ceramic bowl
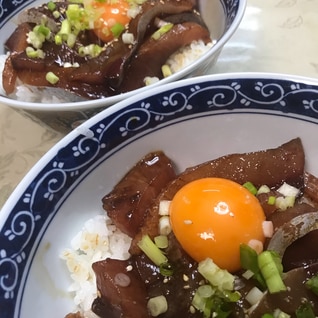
192,120
222,17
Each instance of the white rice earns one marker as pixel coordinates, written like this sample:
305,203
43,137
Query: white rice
98,240
187,55
27,93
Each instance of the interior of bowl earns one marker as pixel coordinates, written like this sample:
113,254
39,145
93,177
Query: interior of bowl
192,121
222,17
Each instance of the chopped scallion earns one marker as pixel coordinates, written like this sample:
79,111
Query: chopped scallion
117,29
305,310
157,305
56,14
161,241
250,187
161,31
58,39
271,269
263,189
92,50
312,284
52,78
51,6
220,278
249,261
271,200
34,53
166,269
280,314
152,251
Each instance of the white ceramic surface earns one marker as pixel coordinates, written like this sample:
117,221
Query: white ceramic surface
192,121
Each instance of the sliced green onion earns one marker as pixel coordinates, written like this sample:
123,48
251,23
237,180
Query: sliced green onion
92,50
164,225
271,200
166,269
36,39
232,296
250,187
205,291
58,39
220,278
73,12
305,311
152,251
56,14
65,27
128,38
198,302
161,241
32,53
267,316
117,29
161,31
51,78
271,270
249,261
283,203
42,29
280,314
248,257
51,6
312,284
263,189
164,207
71,39
157,305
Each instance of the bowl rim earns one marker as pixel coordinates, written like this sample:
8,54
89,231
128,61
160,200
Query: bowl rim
84,128
109,101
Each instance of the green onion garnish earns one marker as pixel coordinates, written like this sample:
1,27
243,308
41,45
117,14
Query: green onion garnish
216,276
161,241
312,284
166,269
250,187
51,78
51,6
152,251
271,269
157,305
117,29
305,310
271,200
160,32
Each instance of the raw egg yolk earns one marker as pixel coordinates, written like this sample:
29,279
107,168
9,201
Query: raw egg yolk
212,217
111,18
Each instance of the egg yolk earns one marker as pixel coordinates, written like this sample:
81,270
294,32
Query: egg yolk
212,217
111,18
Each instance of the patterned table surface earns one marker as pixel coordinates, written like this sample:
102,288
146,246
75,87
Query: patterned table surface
275,36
